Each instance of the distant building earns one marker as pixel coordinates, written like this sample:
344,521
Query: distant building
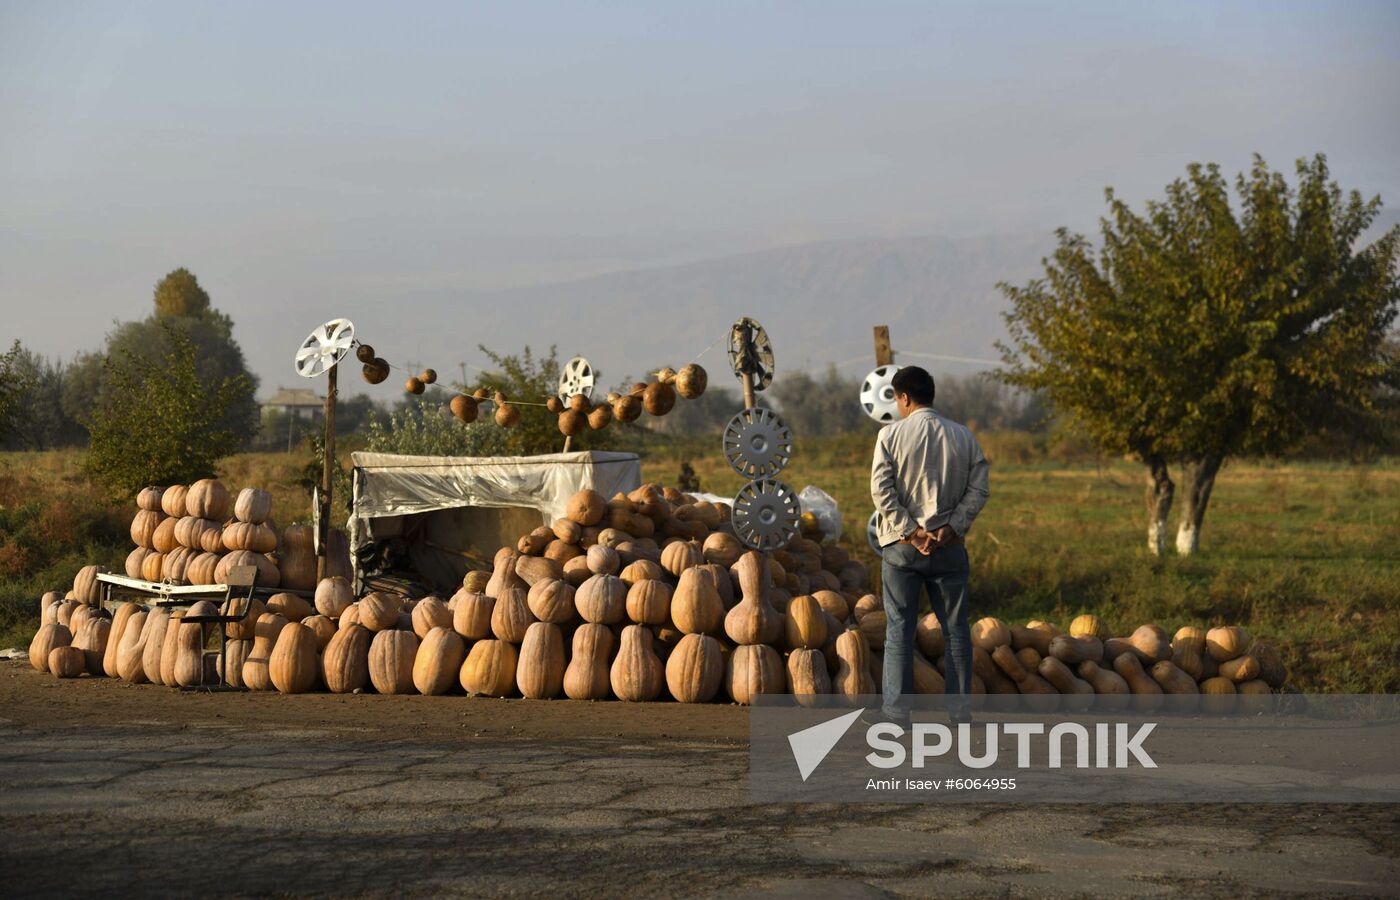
296,403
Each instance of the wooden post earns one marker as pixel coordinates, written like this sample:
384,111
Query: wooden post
568,441
323,527
749,401
884,356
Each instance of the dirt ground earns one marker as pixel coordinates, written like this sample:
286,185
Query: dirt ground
117,788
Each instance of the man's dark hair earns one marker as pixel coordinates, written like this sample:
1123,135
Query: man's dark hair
915,382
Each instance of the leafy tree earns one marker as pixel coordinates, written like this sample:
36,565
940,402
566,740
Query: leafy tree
814,406
424,426
12,388
533,379
1198,332
164,423
218,357
38,421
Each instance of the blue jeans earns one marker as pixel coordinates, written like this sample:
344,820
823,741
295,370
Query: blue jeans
905,573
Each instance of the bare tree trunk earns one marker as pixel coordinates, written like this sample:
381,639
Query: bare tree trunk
1199,478
1159,503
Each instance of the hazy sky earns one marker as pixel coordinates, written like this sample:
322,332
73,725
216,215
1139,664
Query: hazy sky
309,159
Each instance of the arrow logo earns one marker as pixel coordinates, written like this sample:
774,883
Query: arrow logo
811,745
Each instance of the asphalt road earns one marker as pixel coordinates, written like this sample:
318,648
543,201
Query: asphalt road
109,788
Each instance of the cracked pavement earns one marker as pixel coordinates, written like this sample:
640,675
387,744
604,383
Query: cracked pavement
117,788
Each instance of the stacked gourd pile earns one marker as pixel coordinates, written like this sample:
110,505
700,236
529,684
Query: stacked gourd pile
195,534
1136,671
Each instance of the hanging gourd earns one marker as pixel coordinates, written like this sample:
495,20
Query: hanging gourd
464,408
691,381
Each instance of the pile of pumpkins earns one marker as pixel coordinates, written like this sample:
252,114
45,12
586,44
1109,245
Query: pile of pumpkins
647,596
1089,667
194,534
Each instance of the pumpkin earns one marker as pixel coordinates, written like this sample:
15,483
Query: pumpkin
1217,695
567,530
120,620
533,544
143,527
379,611
63,614
48,607
551,600
602,599
489,669
539,671
865,606
392,654
1074,650
1150,643
533,569
990,633
834,603
807,677
805,624
1241,668
1271,668
587,676
1105,682
602,559
561,553
438,661
649,602
1227,642
134,559
245,629
46,640
696,607
229,665
928,634
256,675
511,616
66,662
268,575
148,498
471,617
345,661
678,556
187,656
695,669
507,415
259,538
293,665
252,506
211,536
298,563
658,399
189,531
430,613
464,408
587,507
207,499
1027,682
503,572
642,570
753,620
333,595
175,566
157,626
691,381
86,588
132,648
172,500
291,607
1172,679
754,669
627,408
476,581
79,617
852,676
203,568
1088,626
636,672
323,628
723,584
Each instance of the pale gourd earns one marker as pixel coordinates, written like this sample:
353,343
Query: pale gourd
678,556
157,624
252,506
66,662
1088,626
132,649
1151,644
722,548
333,595
990,633
148,498
172,500
489,669
1172,679
292,607
928,634
852,677
229,666
602,599
754,669
256,676
294,664
567,531
1026,681
539,673
695,604
87,590
834,603
1241,668
807,677
636,673
587,676
1227,642
1147,693
345,661
207,499
649,602
1074,650
602,559
753,620
143,528
586,508
534,569
121,619
551,600
695,669
511,616
46,640
379,611
471,616
430,613
391,657
691,381
438,663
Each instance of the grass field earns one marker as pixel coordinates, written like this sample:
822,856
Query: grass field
1306,555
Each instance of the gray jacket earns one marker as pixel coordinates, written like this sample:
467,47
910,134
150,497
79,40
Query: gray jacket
928,471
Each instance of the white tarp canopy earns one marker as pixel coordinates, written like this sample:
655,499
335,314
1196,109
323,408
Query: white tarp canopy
448,513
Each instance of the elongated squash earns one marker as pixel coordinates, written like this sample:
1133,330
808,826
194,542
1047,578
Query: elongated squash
754,669
539,672
391,657
293,666
807,678
1147,693
121,619
490,669
588,675
345,661
438,663
1172,679
636,673
133,649
256,676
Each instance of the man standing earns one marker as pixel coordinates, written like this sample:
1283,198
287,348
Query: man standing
929,480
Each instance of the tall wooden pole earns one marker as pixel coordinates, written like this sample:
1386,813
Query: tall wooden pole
884,356
323,527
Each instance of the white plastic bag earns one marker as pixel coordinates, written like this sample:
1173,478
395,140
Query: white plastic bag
819,503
